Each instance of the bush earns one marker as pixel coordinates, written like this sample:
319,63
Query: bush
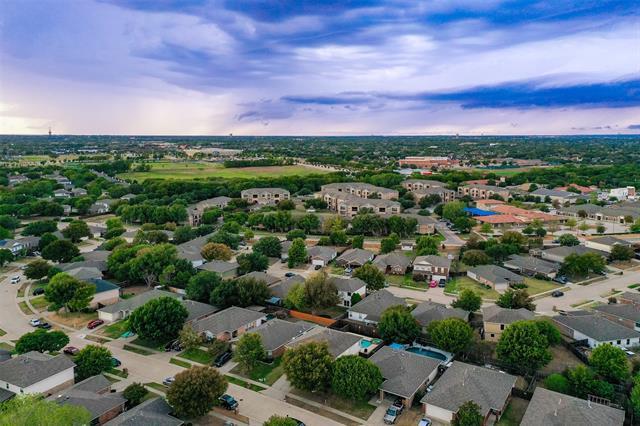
558,383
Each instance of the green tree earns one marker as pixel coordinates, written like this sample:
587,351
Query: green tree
76,231
37,269
427,245
355,377
201,285
568,240
308,366
389,244
40,227
5,257
581,265
33,410
249,351
357,241
516,299
134,394
372,276
468,415
610,362
296,233
296,298
269,246
159,319
475,258
216,251
320,291
60,251
66,291
276,420
196,391
251,291
309,223
550,331
297,253
189,338
42,341
92,360
621,252
468,300
150,262
634,397
557,383
45,240
398,325
522,345
452,334
249,262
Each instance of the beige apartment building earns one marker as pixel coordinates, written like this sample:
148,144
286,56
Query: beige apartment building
265,195
482,192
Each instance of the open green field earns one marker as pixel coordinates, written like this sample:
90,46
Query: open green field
194,170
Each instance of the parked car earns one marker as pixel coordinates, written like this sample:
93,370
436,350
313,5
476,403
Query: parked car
222,359
560,279
38,291
348,271
168,381
15,280
442,283
433,284
95,323
173,345
71,350
34,322
44,325
317,267
115,362
424,422
392,414
298,422
557,293
228,402
289,274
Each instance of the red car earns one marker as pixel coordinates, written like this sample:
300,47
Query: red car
433,284
71,350
95,323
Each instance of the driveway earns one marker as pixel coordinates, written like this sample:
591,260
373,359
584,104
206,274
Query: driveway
450,237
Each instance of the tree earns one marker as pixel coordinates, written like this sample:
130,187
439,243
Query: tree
582,382
357,241
37,269
427,245
42,341
66,291
216,251
389,244
196,391
249,351
610,362
320,291
475,258
516,299
201,284
134,394
276,420
338,238
296,298
296,233
557,383
452,334
309,223
269,246
635,396
468,415
226,238
159,319
621,252
355,377
5,257
581,265
150,262
468,300
568,240
189,338
398,325
550,331
45,240
60,251
249,262
522,345
251,291
308,366
76,231
297,253
30,410
92,360
600,229
372,276
40,227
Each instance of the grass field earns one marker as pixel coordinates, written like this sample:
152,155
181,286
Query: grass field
456,285
195,170
263,372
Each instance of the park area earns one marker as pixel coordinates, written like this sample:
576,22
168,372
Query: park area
202,170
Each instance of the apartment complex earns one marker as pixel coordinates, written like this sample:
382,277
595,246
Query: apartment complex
482,192
350,198
265,195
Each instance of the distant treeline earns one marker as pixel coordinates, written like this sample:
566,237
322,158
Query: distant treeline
262,162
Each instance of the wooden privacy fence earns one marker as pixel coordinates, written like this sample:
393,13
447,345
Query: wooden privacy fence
327,322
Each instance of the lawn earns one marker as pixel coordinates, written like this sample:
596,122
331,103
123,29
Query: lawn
407,281
137,350
118,373
40,303
24,308
361,409
513,414
115,330
263,372
151,344
456,285
197,355
157,386
179,363
535,286
244,384
191,170
6,346
2,332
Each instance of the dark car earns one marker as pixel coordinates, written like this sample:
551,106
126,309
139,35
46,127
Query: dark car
38,291
442,283
115,362
298,422
71,350
173,345
317,267
222,359
95,323
44,325
228,402
289,274
557,293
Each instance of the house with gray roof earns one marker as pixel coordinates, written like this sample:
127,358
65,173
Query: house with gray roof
428,311
560,253
226,270
622,313
229,323
495,319
154,412
195,211
191,250
557,195
395,263
96,256
460,383
549,408
533,266
322,255
281,289
597,330
606,243
261,276
277,333
354,258
347,287
496,277
340,343
85,273
35,372
94,394
404,373
100,265
431,267
370,309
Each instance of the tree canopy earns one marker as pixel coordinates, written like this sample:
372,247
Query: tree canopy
159,320
398,325
196,391
308,366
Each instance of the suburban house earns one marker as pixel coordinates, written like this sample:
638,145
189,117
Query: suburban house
562,197
597,330
107,293
226,270
532,266
94,394
78,192
494,276
460,383
340,343
559,254
549,408
35,372
229,323
347,287
354,258
154,411
428,311
265,195
404,373
102,206
606,243
62,193
14,246
482,192
196,210
426,224
322,255
495,319
100,265
277,333
85,273
281,289
395,263
370,309
17,179
431,267
190,250
623,313
268,279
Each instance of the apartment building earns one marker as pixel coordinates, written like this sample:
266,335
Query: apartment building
360,189
482,192
265,195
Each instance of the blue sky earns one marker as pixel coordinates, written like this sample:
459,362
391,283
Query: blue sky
319,67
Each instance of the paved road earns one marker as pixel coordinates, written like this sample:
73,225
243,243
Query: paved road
450,237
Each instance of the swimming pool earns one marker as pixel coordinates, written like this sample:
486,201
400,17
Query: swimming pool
365,343
440,356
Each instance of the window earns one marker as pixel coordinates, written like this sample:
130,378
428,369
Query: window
501,326
619,342
493,335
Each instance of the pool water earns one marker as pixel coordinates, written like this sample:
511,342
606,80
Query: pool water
365,343
427,352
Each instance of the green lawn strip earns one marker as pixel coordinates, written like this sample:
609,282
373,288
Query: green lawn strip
179,363
514,413
112,379
406,281
157,386
118,373
361,409
580,303
240,382
116,329
137,350
456,285
197,355
634,285
2,332
150,344
24,308
6,346
263,372
535,286
40,303
96,339
149,395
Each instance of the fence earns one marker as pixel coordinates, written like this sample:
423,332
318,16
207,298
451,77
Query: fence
356,327
327,322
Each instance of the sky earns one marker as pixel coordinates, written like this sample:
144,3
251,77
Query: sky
300,67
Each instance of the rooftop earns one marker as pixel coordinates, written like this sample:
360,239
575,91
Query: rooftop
33,367
375,304
498,315
597,327
404,372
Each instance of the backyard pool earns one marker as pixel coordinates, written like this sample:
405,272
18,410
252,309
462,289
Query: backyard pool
442,356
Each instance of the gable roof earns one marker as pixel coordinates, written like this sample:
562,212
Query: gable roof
33,367
393,259
433,260
375,304
356,256
197,310
268,279
496,274
325,253
92,394
631,296
151,412
276,332
564,251
227,320
337,341
531,263
137,300
282,289
610,241
219,266
103,285
348,284
597,327
498,315
429,311
463,382
626,311
549,408
85,273
404,372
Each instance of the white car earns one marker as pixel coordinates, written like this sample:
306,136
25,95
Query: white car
34,322
15,280
424,422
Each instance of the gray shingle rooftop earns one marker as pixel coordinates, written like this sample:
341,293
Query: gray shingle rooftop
404,372
631,296
138,300
564,251
597,327
428,311
153,412
337,341
610,241
394,259
498,315
227,320
348,284
533,264
33,367
283,288
375,304
496,274
261,276
326,253
92,394
623,310
355,256
219,266
434,260
276,332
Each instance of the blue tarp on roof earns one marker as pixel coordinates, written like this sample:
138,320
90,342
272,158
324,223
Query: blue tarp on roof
474,211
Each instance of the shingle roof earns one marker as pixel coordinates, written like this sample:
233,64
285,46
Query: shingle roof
136,301
375,304
496,274
622,310
564,251
283,288
261,276
628,295
393,259
33,367
91,394
227,320
103,285
428,311
85,273
276,332
549,408
543,192
597,327
404,372
100,265
610,241
198,309
348,284
531,263
325,253
434,260
154,412
219,266
498,315
337,341
463,382
355,256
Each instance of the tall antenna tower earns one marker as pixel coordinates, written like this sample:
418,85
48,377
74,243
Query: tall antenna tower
49,130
